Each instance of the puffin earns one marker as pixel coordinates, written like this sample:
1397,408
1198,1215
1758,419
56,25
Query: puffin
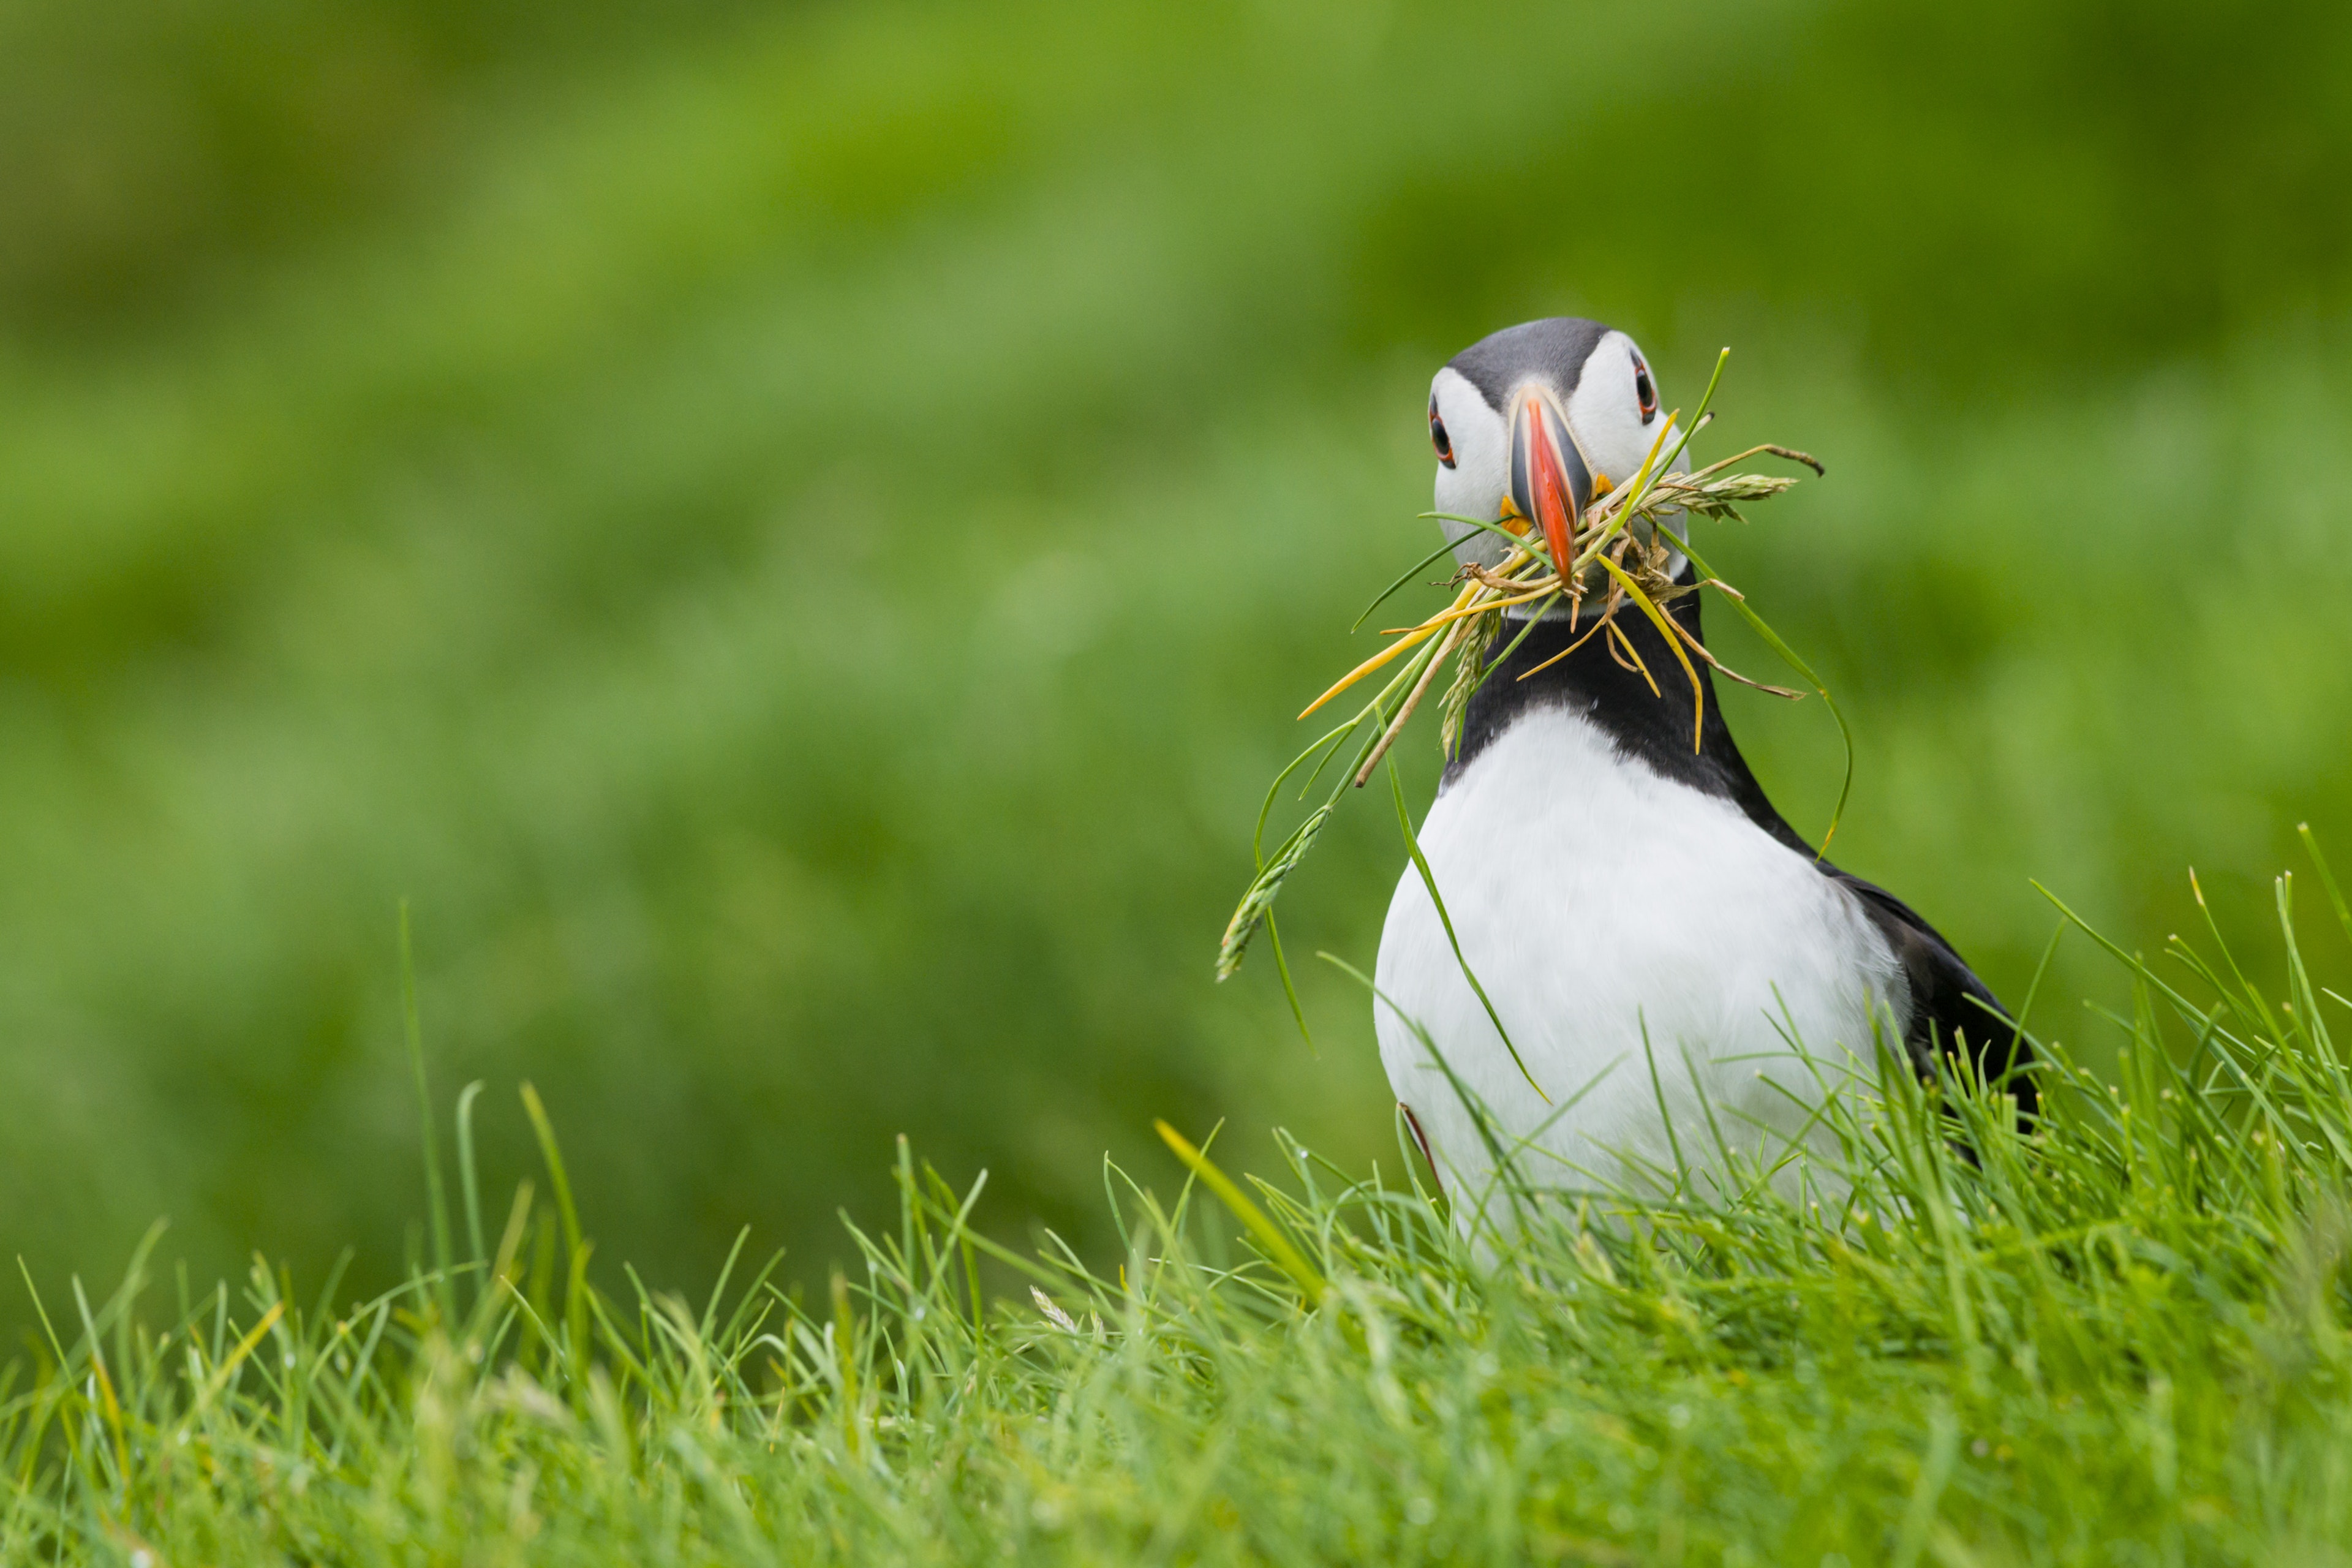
1681,976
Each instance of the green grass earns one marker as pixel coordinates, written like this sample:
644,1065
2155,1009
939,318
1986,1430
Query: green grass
436,444
436,447
2126,1338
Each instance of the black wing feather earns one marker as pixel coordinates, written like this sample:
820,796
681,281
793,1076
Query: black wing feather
1950,1007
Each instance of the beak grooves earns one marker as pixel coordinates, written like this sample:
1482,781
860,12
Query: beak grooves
1550,483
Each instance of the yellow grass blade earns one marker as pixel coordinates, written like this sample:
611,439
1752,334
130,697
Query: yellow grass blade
1366,667
1637,489
1444,616
1658,619
1278,1246
228,1368
1417,635
1404,709
1641,665
1571,648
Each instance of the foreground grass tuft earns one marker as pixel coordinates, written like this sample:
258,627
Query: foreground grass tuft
2121,1340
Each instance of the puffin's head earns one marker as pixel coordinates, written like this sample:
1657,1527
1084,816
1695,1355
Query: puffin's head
1532,421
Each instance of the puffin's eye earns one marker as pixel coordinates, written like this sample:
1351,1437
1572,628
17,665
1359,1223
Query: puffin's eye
1643,390
1437,436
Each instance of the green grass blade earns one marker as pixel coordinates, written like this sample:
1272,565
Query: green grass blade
437,1201
1407,576
2327,876
1805,671
1289,987
576,1249
468,1178
1278,1246
1429,881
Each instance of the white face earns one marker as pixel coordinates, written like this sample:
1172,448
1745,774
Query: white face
1612,423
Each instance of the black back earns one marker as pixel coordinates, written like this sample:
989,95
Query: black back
1952,1009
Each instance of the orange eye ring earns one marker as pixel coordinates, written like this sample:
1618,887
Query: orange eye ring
1437,436
1645,391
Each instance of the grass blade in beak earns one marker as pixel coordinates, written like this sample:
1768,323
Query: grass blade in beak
1658,618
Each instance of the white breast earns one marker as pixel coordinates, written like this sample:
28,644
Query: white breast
1618,919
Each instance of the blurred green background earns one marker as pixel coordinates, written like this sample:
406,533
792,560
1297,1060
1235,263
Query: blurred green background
794,536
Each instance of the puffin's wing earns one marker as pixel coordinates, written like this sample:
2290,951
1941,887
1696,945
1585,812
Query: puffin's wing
1948,1003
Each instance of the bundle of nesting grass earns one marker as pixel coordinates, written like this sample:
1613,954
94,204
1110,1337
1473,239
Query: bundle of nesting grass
1622,558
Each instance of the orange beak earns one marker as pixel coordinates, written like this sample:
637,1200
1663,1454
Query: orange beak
1550,483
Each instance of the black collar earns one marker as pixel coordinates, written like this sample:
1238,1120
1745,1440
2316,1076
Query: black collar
1653,728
